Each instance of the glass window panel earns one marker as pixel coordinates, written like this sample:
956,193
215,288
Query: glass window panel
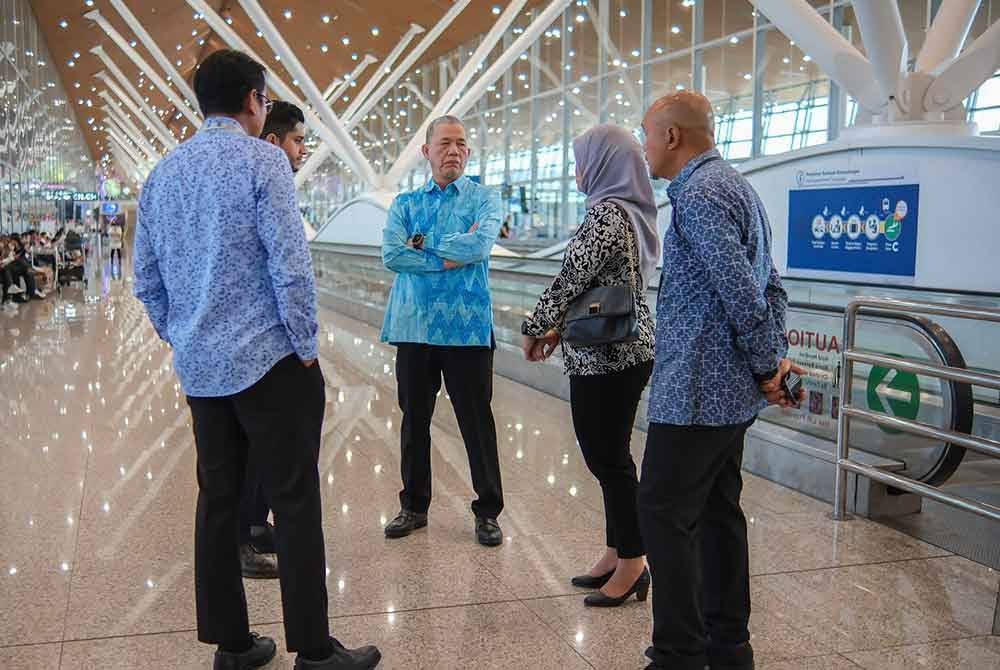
673,23
725,17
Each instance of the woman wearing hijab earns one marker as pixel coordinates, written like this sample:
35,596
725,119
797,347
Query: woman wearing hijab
617,245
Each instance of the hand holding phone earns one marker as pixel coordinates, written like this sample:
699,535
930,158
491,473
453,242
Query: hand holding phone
791,384
785,387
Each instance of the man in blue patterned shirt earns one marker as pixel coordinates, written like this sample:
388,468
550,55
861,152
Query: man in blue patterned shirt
222,267
720,348
437,240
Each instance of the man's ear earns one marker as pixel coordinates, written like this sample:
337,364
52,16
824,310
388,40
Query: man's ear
426,151
273,139
673,137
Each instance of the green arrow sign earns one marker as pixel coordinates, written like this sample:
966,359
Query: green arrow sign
893,392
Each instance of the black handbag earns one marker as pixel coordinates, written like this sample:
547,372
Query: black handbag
604,314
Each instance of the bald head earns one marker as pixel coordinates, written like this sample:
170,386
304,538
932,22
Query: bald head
686,110
677,127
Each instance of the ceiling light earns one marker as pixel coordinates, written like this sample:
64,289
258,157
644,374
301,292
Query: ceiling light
375,31
495,9
287,14
345,40
64,24
324,48
734,40
676,30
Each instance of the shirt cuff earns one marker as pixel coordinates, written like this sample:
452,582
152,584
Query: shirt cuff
307,352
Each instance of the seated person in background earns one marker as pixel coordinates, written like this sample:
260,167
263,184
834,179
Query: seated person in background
20,269
6,280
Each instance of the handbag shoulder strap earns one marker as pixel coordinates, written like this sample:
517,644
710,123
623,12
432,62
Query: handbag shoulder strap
633,257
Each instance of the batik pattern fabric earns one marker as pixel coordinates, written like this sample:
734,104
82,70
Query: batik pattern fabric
430,303
721,305
221,261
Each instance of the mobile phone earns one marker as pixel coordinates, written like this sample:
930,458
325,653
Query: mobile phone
791,384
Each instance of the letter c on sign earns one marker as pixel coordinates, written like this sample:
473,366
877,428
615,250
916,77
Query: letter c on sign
895,246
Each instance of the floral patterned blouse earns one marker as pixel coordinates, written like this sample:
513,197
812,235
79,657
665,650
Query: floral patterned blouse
602,253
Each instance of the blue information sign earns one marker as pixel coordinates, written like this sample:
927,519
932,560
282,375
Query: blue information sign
863,229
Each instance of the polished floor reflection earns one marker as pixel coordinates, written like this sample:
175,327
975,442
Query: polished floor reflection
97,496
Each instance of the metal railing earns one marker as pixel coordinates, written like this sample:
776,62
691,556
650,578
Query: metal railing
849,411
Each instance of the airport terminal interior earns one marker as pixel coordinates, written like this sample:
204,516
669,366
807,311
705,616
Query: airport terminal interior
870,130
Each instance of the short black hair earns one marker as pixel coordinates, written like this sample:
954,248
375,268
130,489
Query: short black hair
224,79
282,119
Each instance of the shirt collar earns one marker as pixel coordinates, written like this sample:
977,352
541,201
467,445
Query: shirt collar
459,184
222,123
677,183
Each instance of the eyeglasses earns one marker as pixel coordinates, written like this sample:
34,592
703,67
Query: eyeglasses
266,101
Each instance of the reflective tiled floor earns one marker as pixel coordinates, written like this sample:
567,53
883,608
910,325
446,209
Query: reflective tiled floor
97,497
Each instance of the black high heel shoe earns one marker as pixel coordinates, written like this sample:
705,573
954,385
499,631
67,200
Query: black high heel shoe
591,582
640,590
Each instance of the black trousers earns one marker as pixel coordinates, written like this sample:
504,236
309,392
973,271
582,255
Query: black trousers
119,254
277,423
5,282
19,270
468,376
696,542
254,507
604,408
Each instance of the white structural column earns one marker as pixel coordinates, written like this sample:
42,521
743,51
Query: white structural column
411,58
415,90
334,85
166,141
364,101
885,42
128,165
408,157
331,128
146,68
280,88
353,120
604,38
343,85
153,48
959,79
129,128
948,33
115,124
828,48
131,151
134,92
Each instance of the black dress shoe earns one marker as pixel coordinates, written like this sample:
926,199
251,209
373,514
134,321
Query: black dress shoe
256,565
488,532
260,653
405,523
640,590
262,539
363,658
589,582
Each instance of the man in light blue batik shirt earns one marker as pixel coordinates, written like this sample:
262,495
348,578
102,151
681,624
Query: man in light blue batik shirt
440,317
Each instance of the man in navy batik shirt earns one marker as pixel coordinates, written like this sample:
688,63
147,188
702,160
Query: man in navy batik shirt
720,348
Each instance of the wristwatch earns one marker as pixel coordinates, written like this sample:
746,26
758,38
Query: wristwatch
418,241
524,328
